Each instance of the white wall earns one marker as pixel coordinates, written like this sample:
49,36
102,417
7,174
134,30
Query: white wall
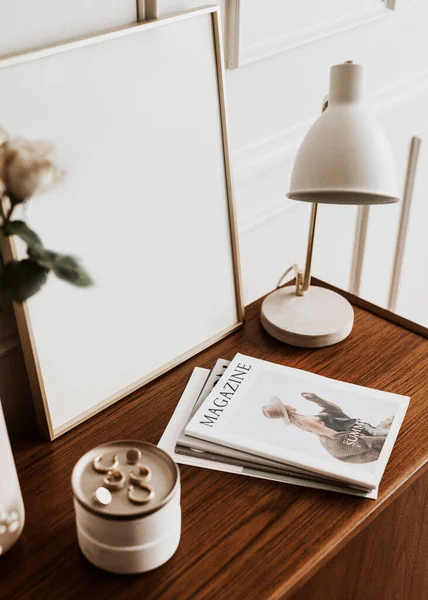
27,24
24,25
286,49
272,100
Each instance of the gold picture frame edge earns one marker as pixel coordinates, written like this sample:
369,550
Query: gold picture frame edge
145,380
15,58
218,44
23,319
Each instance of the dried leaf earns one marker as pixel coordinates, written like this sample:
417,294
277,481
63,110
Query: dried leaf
22,279
65,267
22,230
68,268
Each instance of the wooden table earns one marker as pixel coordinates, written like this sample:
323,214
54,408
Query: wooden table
245,538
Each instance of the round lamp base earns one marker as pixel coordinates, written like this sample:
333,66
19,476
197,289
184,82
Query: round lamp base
318,318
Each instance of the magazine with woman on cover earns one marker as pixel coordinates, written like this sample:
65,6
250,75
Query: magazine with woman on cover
329,427
195,392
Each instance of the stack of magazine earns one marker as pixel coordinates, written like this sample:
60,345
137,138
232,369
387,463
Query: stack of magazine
275,422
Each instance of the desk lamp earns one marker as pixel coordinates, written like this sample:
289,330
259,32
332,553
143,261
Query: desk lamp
345,158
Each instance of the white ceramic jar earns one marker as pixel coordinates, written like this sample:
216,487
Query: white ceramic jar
119,528
11,504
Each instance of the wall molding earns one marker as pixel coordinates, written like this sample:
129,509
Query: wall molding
242,55
256,158
264,216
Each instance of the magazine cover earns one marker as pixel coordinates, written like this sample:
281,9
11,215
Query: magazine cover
191,446
181,416
302,419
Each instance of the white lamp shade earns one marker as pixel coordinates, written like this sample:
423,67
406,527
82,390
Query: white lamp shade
345,157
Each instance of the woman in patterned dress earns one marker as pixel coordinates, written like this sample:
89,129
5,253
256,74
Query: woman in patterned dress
347,439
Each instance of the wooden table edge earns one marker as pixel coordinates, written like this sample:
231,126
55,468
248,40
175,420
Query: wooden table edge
317,561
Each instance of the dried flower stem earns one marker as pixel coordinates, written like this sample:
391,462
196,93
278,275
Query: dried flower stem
7,218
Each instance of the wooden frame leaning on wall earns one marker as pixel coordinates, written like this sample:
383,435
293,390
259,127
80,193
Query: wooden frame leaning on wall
200,328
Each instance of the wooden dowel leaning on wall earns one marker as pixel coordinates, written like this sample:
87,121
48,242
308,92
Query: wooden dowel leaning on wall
359,247
409,185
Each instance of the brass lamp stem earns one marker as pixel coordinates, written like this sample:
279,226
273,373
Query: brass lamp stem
303,280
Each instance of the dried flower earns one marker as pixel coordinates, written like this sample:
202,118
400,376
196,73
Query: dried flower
28,168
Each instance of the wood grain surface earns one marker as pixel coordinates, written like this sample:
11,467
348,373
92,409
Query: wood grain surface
242,537
387,560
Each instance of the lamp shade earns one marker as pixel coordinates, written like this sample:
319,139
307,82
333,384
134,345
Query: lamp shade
345,157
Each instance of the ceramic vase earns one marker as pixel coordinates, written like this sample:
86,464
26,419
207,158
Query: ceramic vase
11,504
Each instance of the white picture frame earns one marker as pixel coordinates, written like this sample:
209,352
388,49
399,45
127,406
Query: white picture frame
138,119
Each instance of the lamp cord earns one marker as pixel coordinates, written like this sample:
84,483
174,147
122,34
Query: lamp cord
294,268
